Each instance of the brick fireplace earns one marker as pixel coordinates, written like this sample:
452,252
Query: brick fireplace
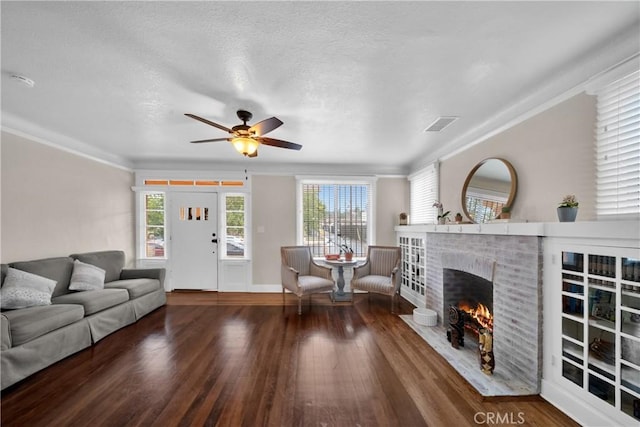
513,264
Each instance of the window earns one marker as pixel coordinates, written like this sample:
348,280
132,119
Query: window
234,225
618,148
335,216
424,192
154,221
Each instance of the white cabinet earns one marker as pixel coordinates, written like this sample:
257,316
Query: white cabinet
598,347
413,264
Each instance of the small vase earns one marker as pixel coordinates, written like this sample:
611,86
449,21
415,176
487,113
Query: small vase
348,256
566,214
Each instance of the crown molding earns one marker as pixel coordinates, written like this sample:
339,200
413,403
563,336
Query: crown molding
258,168
25,129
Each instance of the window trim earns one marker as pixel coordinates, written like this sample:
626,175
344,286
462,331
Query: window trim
142,225
222,229
221,177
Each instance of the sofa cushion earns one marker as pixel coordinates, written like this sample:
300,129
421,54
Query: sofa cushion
112,262
3,272
86,277
58,269
5,333
135,287
22,289
30,323
94,301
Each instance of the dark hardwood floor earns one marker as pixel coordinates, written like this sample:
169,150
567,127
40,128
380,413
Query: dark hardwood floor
244,360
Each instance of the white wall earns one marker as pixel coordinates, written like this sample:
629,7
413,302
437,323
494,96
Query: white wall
273,210
552,153
55,203
392,198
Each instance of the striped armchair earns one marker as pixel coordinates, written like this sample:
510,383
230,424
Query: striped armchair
301,275
380,273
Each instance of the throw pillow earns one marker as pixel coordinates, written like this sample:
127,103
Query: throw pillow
22,290
86,277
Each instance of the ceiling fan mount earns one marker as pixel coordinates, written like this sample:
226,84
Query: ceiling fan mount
244,115
246,138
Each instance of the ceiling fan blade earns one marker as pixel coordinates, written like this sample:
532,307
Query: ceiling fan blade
210,140
265,126
208,122
254,154
279,143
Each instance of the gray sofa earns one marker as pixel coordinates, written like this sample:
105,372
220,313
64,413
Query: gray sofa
36,337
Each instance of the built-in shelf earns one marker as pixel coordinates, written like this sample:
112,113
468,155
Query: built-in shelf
413,264
600,314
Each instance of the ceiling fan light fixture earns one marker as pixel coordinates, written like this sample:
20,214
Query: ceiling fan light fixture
245,146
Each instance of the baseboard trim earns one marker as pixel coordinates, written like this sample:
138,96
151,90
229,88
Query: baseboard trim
266,288
585,413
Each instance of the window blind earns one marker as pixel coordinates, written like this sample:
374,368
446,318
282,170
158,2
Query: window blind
424,192
335,218
618,148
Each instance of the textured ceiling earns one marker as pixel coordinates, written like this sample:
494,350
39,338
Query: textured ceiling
356,83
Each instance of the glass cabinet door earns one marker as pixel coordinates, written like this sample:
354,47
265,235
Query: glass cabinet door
573,317
630,337
602,327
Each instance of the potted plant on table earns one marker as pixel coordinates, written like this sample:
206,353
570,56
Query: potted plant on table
568,209
348,252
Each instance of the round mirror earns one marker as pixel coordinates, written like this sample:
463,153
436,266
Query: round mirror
490,186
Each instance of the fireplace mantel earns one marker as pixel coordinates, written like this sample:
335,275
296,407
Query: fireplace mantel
510,228
620,230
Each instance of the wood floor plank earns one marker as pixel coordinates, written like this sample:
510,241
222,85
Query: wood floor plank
209,359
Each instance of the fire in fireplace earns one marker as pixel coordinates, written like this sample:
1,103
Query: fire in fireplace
477,316
469,301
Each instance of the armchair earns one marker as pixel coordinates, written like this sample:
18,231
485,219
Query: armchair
301,275
380,273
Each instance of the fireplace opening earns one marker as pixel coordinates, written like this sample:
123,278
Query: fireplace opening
468,300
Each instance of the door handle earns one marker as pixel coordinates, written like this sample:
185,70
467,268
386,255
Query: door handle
214,240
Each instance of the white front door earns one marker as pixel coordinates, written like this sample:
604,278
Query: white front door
194,248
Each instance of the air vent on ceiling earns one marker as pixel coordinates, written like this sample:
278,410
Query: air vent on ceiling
440,124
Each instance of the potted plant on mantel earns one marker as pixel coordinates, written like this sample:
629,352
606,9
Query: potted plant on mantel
568,209
505,213
443,217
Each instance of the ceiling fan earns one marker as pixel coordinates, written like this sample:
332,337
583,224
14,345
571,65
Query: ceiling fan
246,138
